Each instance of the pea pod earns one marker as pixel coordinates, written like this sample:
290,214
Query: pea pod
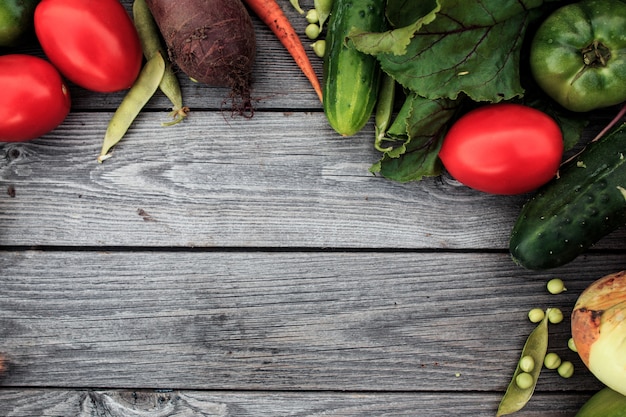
144,88
323,8
296,5
536,346
151,44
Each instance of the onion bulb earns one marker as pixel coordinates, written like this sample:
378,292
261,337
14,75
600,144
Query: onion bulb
599,329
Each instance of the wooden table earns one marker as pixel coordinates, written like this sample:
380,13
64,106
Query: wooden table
254,267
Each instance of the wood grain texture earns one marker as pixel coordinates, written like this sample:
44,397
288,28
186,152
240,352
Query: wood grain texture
254,267
142,403
277,180
215,181
277,320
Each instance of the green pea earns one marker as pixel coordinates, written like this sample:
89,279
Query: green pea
552,361
319,47
312,31
566,369
312,16
524,380
516,396
556,286
555,315
536,315
571,345
527,363
139,94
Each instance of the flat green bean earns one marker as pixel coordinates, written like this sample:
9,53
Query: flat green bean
151,44
536,346
139,94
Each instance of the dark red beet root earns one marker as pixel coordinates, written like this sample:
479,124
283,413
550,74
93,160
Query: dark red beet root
211,41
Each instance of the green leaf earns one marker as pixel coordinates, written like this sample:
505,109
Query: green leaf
405,12
572,124
407,19
415,139
472,47
457,46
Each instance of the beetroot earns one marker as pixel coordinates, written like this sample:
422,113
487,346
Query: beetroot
212,41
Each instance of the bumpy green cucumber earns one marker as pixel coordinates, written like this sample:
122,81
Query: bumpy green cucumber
574,211
605,403
351,78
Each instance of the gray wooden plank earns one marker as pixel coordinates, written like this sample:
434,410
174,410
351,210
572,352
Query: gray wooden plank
144,403
278,320
277,180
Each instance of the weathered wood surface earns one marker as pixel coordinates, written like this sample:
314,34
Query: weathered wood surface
241,183
254,267
139,403
279,320
278,180
296,323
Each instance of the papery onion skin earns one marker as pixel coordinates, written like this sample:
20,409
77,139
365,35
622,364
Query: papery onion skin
599,329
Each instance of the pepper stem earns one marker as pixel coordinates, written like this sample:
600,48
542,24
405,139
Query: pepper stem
596,54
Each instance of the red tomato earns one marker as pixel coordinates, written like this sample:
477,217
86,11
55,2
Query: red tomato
34,98
503,149
93,43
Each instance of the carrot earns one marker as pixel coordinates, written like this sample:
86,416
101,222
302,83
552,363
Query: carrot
273,16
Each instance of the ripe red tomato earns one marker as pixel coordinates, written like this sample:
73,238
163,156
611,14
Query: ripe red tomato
93,43
503,149
34,98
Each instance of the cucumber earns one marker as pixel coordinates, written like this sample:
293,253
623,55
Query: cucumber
572,212
351,78
605,403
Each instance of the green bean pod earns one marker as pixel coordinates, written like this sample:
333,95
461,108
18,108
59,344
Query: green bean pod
151,43
323,8
139,94
536,346
296,5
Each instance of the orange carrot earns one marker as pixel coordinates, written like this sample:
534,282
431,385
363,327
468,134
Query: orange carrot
273,16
